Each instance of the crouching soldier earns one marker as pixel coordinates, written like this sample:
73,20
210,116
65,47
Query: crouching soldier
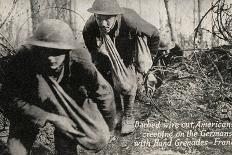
169,54
111,32
51,80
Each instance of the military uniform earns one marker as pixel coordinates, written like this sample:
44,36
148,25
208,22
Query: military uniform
29,96
128,25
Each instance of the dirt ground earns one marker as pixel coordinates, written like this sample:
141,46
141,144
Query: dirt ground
185,97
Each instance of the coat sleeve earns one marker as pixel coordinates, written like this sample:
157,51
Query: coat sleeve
142,27
99,90
89,36
13,94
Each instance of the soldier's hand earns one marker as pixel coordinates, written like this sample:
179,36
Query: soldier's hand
65,125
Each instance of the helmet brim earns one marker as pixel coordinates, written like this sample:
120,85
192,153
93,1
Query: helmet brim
55,45
108,12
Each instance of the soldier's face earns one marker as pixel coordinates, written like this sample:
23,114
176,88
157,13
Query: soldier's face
105,22
53,58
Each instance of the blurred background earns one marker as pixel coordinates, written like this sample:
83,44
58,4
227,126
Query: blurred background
176,19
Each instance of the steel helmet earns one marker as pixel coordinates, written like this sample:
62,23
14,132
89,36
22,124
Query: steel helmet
53,33
166,45
106,7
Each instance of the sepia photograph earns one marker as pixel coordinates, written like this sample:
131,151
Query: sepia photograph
115,77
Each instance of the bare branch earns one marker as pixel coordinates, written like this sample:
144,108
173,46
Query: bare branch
196,29
9,13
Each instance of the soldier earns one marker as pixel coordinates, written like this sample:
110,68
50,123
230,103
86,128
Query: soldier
52,80
122,25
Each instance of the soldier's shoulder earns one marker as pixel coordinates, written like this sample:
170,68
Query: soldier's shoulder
128,11
90,23
129,15
81,55
131,18
23,53
134,21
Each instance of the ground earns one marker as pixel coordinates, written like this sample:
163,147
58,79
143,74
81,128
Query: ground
192,92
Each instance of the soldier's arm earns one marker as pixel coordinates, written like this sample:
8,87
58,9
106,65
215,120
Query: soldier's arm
13,94
142,27
89,36
99,90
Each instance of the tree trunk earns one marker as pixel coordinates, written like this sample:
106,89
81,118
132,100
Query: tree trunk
35,7
199,18
169,20
53,9
62,13
73,18
194,13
